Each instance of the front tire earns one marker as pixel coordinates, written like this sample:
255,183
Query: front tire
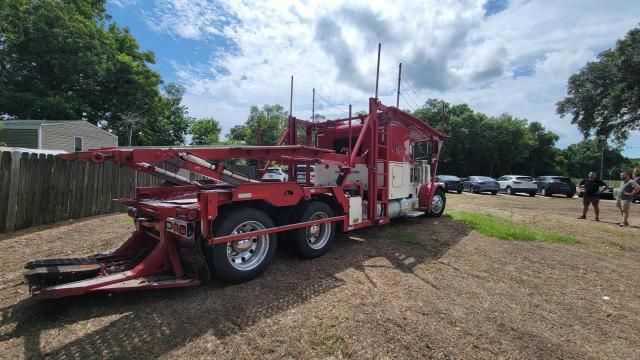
532,194
494,193
438,203
316,240
509,191
242,260
545,192
571,195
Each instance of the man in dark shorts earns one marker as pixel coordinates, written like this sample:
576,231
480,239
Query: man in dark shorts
591,189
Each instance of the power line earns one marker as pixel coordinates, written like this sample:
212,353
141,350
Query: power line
404,99
409,95
330,104
414,92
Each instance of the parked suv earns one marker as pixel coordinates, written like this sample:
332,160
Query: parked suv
513,184
478,184
451,183
274,174
549,185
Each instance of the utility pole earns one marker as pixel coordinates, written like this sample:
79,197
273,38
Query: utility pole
604,143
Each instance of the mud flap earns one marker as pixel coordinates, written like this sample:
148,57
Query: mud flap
192,257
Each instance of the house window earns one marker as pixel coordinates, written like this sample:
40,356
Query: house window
77,143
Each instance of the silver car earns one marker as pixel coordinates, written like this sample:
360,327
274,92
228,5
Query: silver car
513,184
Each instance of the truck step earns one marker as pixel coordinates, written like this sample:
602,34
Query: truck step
414,213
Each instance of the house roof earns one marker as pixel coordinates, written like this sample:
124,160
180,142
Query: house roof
36,122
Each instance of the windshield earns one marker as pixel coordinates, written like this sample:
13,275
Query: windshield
449,177
484,178
524,178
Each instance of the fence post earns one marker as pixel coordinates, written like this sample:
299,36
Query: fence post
13,190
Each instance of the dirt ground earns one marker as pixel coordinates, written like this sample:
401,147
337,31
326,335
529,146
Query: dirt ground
418,288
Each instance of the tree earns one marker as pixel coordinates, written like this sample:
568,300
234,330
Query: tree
270,119
604,96
205,132
68,60
586,156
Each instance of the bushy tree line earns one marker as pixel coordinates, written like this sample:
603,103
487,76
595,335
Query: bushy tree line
478,144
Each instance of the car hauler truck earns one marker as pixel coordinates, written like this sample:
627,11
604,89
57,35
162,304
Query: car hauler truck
228,225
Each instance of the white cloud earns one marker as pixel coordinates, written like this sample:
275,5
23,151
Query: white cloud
124,3
449,49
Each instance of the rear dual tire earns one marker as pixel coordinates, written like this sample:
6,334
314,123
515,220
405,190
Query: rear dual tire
244,259
312,241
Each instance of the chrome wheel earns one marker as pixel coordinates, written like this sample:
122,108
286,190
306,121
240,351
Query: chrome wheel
247,254
437,204
318,235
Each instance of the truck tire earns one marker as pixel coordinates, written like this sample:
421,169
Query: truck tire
244,259
438,203
313,241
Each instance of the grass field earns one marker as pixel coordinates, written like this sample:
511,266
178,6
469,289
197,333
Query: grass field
504,229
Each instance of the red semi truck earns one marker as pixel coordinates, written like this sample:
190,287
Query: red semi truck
186,231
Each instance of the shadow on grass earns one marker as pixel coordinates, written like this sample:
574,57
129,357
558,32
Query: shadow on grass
152,323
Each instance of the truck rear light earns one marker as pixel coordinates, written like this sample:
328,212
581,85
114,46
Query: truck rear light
187,214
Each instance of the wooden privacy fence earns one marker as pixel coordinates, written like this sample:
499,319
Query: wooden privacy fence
37,189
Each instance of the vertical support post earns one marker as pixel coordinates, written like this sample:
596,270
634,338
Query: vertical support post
373,158
313,106
292,133
378,69
399,79
350,164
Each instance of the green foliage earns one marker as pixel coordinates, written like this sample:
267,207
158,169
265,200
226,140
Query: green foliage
67,60
272,120
493,146
205,132
1,142
504,229
604,96
586,155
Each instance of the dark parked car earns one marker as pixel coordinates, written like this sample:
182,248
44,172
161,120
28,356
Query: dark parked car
478,184
607,194
550,185
451,183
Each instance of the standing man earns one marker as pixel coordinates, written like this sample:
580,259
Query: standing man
591,189
625,196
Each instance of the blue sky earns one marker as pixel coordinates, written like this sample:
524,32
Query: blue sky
498,55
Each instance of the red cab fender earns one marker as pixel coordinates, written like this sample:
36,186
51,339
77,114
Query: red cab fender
426,194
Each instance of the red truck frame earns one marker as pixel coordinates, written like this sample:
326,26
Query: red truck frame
187,231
